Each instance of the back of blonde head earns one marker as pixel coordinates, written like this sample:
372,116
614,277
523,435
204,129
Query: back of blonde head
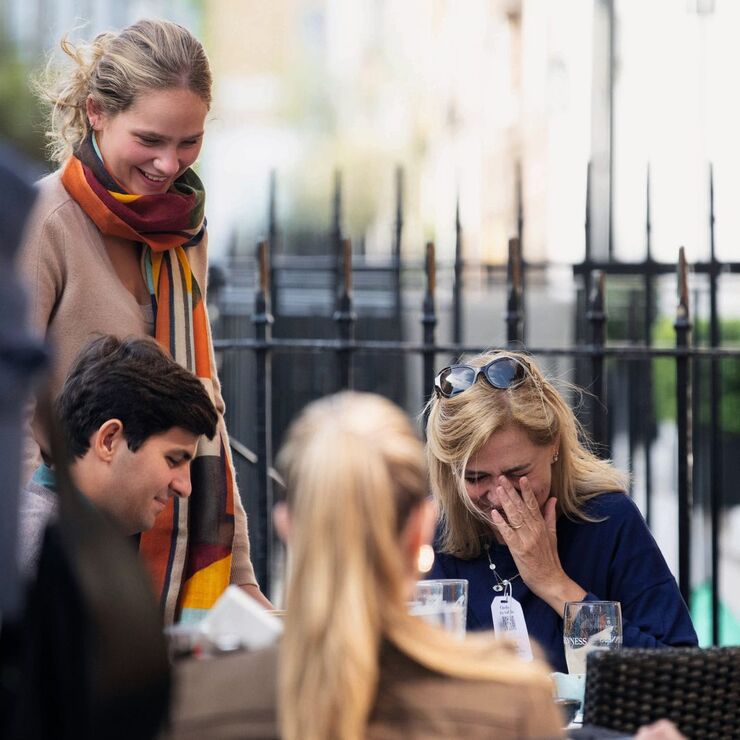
460,426
354,470
115,69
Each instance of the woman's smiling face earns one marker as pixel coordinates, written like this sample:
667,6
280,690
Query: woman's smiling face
148,146
509,453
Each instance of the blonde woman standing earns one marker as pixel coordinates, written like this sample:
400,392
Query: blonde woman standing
117,244
352,662
527,508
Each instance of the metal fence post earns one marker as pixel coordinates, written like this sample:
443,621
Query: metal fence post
646,386
715,420
457,285
345,318
263,320
429,322
398,251
596,316
336,232
272,239
682,326
520,238
514,314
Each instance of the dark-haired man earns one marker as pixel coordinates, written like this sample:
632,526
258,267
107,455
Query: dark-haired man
132,418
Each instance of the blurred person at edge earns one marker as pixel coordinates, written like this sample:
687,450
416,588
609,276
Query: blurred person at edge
132,418
523,499
352,662
117,244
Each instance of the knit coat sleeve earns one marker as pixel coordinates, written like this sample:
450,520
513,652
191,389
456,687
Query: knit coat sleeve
40,263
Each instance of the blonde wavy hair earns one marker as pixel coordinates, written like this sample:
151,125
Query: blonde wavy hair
457,428
355,470
114,69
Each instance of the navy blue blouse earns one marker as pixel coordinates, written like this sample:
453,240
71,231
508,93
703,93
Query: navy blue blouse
614,560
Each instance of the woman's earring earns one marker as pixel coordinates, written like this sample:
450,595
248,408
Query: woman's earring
555,458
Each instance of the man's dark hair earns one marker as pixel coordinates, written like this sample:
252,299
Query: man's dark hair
132,380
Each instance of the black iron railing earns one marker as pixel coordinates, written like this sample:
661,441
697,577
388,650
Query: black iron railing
592,351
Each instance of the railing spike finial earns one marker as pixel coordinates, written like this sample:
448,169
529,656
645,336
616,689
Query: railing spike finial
272,207
429,321
587,221
337,206
514,319
263,249
347,265
648,217
345,317
515,264
682,311
597,294
457,285
712,255
431,268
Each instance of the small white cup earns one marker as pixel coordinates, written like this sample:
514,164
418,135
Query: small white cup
570,686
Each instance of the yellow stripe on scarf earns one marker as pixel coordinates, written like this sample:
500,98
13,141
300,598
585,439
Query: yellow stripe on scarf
156,267
124,197
185,267
202,589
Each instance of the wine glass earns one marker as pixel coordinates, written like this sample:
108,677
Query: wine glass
589,626
442,602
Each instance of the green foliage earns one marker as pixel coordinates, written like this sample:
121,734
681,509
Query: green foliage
664,375
21,115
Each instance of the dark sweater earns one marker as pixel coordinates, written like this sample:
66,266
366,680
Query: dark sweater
614,560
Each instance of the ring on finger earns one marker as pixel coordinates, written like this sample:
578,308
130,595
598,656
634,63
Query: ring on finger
516,526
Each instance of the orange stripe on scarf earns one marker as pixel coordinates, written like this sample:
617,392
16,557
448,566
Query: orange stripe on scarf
73,179
156,542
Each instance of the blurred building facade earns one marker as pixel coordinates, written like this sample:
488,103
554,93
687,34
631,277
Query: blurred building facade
469,98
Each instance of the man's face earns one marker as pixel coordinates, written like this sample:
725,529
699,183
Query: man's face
142,482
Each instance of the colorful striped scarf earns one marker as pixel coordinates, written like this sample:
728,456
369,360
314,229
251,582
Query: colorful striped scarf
188,551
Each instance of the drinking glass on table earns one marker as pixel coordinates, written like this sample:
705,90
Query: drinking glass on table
589,626
442,602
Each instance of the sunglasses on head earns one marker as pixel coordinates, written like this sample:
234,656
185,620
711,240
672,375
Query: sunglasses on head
501,373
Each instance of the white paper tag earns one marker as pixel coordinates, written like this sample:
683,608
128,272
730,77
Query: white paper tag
508,621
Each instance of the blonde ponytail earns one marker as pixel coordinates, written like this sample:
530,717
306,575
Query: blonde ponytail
354,471
346,564
66,94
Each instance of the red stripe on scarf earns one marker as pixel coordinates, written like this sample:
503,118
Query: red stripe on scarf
164,212
203,555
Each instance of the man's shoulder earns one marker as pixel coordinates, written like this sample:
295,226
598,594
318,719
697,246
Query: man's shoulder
38,506
37,500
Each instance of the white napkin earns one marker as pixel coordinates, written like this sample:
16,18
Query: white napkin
238,618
